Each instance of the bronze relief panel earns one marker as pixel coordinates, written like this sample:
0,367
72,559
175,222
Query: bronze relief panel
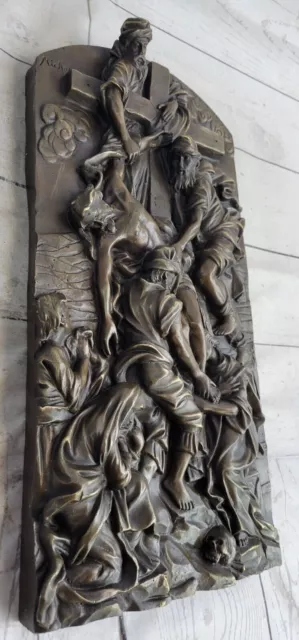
146,475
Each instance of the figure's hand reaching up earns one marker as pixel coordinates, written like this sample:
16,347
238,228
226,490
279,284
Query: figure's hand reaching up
84,338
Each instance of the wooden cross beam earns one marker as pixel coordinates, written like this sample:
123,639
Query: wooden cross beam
84,89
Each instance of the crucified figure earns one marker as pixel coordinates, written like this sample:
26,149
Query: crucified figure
118,232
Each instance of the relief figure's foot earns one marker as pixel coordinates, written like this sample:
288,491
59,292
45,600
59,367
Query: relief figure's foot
226,327
179,494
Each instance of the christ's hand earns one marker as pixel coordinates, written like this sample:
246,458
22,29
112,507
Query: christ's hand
131,148
108,337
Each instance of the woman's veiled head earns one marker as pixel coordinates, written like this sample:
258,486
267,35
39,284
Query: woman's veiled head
51,314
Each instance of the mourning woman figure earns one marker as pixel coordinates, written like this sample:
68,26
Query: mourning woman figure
63,362
90,477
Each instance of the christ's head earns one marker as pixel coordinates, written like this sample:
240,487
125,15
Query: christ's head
90,212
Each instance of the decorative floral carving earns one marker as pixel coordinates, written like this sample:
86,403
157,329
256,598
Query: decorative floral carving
209,119
64,128
203,115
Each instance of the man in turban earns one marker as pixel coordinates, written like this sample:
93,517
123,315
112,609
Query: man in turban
152,329
126,71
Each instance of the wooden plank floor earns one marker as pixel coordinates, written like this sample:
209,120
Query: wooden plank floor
242,58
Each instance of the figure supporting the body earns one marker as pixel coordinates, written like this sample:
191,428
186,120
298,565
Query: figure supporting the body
151,326
215,229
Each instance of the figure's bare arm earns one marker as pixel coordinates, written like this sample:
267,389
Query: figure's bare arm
115,106
197,205
190,232
116,111
104,273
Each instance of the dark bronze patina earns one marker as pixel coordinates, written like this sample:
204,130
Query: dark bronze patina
146,475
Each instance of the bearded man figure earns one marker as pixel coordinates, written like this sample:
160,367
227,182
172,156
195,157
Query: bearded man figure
126,71
214,227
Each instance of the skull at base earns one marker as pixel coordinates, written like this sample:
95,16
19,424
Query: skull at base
219,546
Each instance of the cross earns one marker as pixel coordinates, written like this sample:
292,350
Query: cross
84,89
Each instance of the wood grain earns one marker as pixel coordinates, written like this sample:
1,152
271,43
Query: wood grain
236,612
278,369
26,30
14,251
281,585
238,34
252,111
273,283
12,114
268,199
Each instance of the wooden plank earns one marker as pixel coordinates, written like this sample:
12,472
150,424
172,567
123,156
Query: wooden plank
278,374
14,251
12,394
262,121
268,194
234,613
273,283
105,629
12,116
159,84
84,90
108,628
26,30
281,585
240,34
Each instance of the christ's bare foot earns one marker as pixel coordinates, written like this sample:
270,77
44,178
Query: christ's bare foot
242,539
178,493
226,327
